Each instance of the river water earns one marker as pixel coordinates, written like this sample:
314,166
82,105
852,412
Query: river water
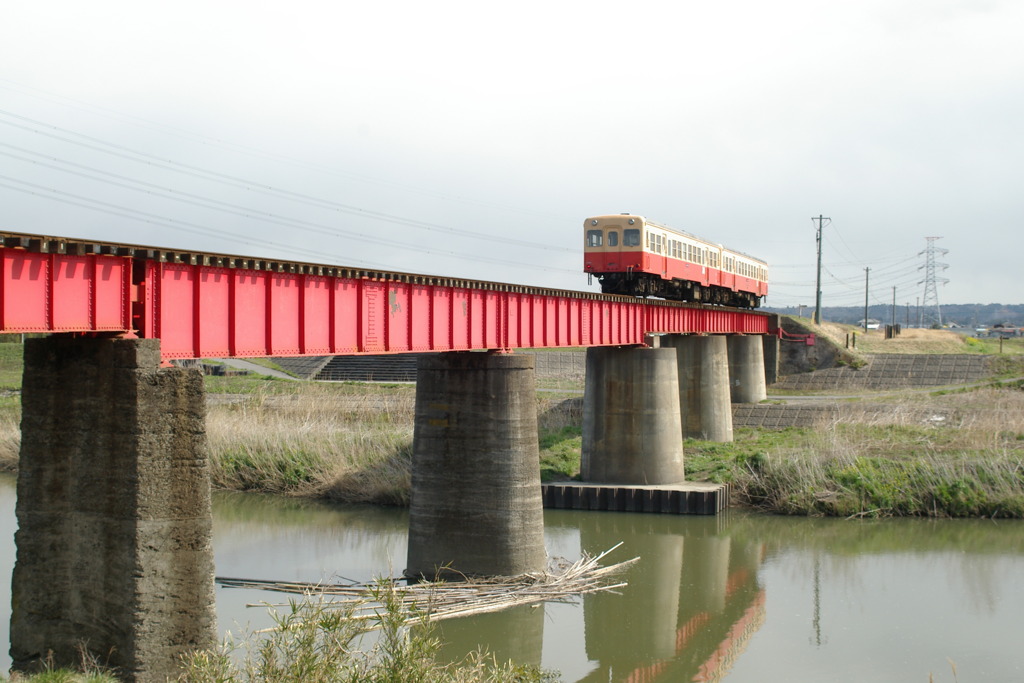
740,597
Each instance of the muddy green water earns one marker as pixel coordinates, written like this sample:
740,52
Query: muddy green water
740,597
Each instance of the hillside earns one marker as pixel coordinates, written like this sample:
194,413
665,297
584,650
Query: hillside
965,315
855,342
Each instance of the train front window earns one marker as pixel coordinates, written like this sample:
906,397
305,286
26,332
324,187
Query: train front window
613,239
594,238
631,237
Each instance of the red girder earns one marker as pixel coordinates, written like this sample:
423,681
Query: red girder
203,311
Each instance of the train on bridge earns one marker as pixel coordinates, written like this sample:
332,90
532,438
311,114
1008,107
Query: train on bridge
634,256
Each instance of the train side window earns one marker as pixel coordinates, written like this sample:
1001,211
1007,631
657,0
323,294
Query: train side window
613,239
594,238
631,238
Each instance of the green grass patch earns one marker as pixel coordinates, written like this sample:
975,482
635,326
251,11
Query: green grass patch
560,454
1007,366
283,471
11,366
864,468
993,345
725,462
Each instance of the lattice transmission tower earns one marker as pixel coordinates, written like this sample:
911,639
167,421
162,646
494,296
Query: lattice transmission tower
930,312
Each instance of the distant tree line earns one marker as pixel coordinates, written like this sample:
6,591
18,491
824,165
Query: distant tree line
964,315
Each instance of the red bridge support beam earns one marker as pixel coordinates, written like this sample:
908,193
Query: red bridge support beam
206,306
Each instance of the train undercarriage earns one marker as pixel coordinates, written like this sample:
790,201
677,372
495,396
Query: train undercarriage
643,284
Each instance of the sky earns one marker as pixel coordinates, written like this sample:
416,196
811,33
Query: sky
471,139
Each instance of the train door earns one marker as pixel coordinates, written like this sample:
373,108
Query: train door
656,261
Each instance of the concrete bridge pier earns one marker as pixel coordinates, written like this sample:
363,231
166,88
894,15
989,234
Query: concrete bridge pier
704,394
114,532
746,369
631,421
476,498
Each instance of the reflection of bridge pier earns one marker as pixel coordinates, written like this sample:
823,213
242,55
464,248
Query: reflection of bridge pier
516,635
683,615
646,611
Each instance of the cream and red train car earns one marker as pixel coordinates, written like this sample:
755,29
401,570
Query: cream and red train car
632,255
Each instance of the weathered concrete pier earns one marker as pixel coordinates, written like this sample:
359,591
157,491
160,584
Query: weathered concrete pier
631,420
704,395
640,404
114,549
476,500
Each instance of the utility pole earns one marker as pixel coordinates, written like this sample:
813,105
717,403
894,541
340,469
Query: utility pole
894,306
817,305
867,271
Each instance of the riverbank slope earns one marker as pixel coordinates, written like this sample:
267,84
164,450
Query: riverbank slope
944,452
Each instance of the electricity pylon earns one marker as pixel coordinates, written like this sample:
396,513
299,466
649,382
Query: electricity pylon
930,311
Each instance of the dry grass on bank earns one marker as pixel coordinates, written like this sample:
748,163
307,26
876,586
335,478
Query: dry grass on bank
352,447
960,455
318,442
954,455
351,443
914,340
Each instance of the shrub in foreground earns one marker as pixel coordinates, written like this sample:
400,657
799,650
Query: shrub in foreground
314,641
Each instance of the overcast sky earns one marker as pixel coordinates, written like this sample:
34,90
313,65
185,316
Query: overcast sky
471,139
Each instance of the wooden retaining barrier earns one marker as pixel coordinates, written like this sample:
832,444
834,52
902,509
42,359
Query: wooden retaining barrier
684,498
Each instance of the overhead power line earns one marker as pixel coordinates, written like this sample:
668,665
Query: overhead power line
136,156
248,150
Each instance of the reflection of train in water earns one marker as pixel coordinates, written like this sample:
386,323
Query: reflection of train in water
632,255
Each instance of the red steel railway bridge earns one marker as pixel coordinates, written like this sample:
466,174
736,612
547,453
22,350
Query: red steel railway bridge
114,516
212,305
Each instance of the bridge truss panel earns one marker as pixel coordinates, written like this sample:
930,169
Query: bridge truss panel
42,292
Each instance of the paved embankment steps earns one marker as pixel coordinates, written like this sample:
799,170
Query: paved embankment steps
564,365
893,371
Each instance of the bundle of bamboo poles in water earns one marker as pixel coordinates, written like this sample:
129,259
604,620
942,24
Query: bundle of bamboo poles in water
438,600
